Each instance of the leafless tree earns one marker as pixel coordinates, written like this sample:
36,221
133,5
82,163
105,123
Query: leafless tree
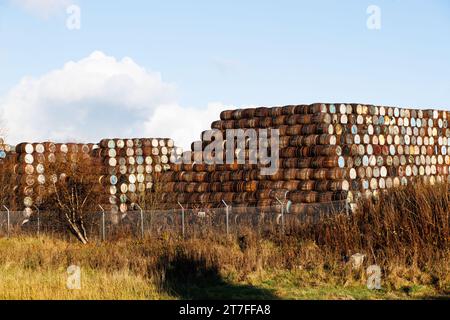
150,199
72,194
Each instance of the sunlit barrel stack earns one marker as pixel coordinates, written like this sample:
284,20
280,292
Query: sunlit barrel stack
35,166
4,149
129,167
327,153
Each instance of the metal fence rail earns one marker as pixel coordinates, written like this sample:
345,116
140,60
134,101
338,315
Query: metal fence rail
182,222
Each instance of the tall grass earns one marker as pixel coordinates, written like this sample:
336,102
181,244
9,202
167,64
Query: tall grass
408,226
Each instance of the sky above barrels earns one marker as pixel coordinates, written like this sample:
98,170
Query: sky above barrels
140,68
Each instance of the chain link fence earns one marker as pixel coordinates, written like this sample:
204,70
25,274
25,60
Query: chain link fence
182,222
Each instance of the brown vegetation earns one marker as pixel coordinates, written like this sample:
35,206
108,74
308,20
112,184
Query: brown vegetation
407,226
405,232
71,195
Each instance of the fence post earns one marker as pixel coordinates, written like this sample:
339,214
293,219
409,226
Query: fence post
103,223
285,203
227,219
142,219
182,219
282,214
8,219
38,221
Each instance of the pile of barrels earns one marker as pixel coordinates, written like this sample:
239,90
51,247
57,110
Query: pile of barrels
4,149
128,168
34,168
327,153
120,170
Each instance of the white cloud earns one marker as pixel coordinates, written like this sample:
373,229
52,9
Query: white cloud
100,97
184,125
43,8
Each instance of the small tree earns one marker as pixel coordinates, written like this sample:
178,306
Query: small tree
71,194
150,199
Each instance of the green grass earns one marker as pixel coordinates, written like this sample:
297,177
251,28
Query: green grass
19,284
36,269
289,285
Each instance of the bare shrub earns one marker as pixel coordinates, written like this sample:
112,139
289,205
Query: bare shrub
72,194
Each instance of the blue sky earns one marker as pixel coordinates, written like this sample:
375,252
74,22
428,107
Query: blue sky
248,52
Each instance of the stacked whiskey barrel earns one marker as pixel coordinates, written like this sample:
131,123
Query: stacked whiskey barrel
311,165
328,152
129,167
119,169
35,166
394,146
4,149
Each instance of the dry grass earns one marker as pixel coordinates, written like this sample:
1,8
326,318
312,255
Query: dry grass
406,233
